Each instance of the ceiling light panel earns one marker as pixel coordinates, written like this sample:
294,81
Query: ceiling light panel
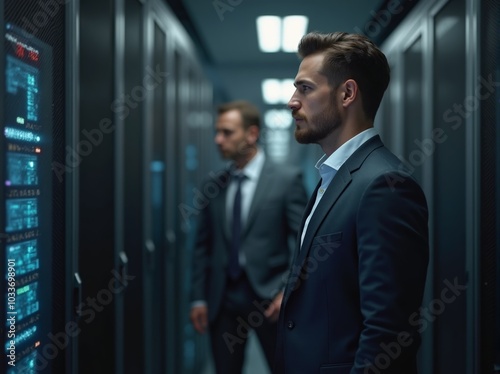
281,34
294,28
269,33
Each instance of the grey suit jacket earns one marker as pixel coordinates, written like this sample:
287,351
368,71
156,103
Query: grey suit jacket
356,285
267,239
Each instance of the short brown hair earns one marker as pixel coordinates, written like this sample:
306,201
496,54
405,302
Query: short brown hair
351,56
249,112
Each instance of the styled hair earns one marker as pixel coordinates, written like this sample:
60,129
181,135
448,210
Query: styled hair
249,112
351,56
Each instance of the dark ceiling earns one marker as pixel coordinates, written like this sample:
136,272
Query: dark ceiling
225,34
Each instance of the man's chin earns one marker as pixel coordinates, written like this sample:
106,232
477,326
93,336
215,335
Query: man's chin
302,137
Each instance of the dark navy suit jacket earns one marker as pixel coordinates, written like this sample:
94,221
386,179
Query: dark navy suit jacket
357,282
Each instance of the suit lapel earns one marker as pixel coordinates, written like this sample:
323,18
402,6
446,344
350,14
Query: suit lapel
263,184
219,201
308,209
334,190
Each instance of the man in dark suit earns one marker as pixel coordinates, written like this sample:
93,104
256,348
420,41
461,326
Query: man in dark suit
357,279
244,241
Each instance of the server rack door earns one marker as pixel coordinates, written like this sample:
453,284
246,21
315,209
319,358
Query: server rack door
33,171
155,203
449,187
95,161
120,255
182,223
192,181
489,349
176,221
171,208
133,160
413,109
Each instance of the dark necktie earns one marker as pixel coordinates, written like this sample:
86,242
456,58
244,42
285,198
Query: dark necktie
234,270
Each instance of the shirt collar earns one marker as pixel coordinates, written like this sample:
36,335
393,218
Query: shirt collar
337,158
253,168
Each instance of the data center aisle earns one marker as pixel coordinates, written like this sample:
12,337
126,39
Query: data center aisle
254,359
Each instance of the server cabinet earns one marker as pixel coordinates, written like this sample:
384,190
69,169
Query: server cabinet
447,133
449,183
133,90
178,134
38,329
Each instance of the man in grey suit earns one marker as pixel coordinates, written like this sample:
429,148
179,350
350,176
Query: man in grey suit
352,301
244,242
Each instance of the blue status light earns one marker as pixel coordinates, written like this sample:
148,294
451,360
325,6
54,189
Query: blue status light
23,336
26,136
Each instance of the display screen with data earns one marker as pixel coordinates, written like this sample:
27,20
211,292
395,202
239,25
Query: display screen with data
27,129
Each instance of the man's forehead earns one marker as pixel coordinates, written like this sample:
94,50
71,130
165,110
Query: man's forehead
312,61
229,121
310,69
232,115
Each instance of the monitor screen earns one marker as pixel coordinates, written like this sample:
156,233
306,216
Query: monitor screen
27,130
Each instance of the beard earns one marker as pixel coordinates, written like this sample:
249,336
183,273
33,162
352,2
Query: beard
318,127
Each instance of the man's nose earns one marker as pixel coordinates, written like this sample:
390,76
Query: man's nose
217,138
293,103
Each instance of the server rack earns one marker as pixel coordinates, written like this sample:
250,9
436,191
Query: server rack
39,328
135,65
441,118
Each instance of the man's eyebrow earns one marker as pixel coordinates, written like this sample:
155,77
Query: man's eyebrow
302,81
224,130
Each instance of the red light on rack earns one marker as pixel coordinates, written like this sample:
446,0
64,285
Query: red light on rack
20,51
33,55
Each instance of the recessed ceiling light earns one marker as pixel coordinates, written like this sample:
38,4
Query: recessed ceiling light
277,34
294,28
269,33
271,91
276,91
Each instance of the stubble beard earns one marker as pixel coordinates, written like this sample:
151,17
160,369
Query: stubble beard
324,125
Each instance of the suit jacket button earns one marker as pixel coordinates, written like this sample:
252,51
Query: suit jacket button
290,325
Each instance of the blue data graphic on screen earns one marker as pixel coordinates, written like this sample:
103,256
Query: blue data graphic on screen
22,169
27,132
23,79
22,214
25,255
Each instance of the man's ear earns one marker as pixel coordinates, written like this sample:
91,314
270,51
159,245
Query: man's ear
350,92
252,134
